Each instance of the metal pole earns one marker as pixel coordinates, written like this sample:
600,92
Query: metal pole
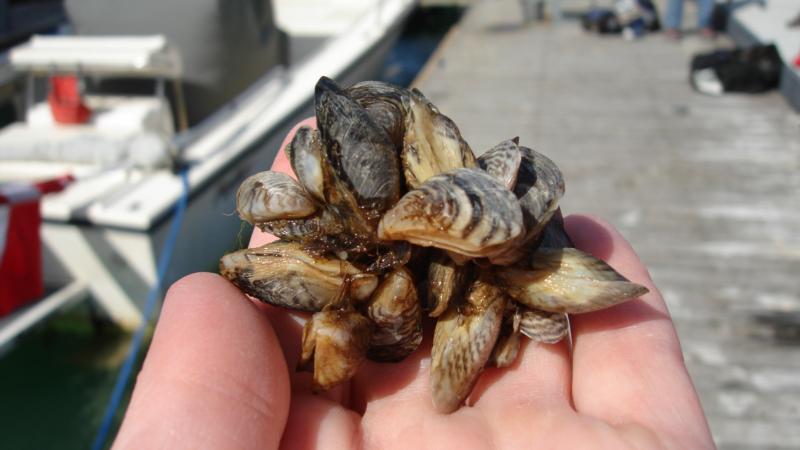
180,105
29,92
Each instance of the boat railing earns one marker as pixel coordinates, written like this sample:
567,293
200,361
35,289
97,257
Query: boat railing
186,138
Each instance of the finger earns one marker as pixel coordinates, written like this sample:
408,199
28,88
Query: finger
398,411
214,377
318,422
538,381
380,384
288,327
406,418
627,362
540,378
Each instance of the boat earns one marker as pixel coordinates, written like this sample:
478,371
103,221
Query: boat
22,18
128,153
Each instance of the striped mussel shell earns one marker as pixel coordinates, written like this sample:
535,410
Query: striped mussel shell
395,311
466,211
502,162
386,106
463,341
268,196
432,143
358,150
335,343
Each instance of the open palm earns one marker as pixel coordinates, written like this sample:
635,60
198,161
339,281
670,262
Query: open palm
220,374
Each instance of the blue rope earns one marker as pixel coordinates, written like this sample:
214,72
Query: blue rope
152,296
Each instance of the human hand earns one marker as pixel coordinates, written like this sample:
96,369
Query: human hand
220,374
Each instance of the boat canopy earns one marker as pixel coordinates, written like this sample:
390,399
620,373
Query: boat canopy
124,56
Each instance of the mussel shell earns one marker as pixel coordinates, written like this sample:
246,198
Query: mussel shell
507,346
300,230
554,236
306,154
272,195
384,103
462,343
465,211
323,234
568,280
285,274
358,150
389,257
446,282
394,309
542,326
336,341
432,144
502,162
539,187
340,225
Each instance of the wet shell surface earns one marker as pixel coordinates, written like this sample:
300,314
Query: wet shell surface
393,222
465,211
463,341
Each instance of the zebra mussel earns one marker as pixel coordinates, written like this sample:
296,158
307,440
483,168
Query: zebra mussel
392,218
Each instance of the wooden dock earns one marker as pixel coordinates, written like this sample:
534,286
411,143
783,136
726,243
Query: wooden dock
707,189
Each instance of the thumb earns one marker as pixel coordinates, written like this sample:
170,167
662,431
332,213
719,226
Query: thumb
215,376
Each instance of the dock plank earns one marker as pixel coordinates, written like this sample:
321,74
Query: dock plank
705,188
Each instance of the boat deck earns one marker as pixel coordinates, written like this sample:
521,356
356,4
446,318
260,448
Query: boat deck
705,188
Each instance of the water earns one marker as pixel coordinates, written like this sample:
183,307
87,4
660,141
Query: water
419,39
56,379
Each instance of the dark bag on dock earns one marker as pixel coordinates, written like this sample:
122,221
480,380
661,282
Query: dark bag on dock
754,69
601,20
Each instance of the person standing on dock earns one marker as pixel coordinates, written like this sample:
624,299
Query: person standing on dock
674,17
532,10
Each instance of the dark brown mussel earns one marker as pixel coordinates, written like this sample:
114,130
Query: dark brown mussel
385,104
359,150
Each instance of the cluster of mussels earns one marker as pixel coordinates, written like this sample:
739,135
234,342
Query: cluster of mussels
391,207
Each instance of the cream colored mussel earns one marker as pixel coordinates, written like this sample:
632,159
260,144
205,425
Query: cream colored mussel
284,274
465,211
335,342
463,341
